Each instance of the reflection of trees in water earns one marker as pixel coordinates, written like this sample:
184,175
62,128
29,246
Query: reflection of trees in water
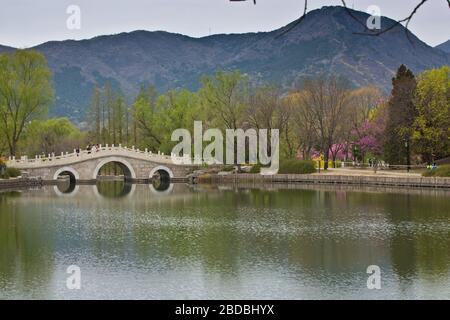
314,230
7,195
325,232
26,251
226,232
181,234
114,189
418,245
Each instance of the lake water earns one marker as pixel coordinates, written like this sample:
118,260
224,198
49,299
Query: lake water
224,242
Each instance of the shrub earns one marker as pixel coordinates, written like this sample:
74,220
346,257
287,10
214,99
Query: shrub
297,167
256,168
12,172
440,171
228,168
337,164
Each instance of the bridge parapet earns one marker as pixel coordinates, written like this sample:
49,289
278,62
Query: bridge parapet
67,158
85,165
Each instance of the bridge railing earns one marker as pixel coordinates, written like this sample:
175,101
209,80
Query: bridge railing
91,153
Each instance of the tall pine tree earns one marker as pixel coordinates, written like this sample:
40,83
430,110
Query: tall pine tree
401,114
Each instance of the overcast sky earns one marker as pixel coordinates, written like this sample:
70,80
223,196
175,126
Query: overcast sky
25,23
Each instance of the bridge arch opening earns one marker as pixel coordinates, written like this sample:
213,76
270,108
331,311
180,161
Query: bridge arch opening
161,173
160,179
67,172
66,180
114,167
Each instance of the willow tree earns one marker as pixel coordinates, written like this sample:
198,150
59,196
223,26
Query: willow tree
145,119
224,96
25,93
52,135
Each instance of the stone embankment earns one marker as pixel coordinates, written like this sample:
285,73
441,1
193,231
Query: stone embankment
20,183
416,181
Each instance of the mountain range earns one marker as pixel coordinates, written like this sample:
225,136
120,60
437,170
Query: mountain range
445,46
325,41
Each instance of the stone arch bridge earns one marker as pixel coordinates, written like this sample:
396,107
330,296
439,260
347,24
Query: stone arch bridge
85,165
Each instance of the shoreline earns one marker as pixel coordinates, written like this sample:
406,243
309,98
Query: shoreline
383,181
20,183
323,187
257,179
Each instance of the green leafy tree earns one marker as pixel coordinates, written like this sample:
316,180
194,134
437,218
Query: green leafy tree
431,134
176,109
25,93
157,117
224,97
145,125
51,136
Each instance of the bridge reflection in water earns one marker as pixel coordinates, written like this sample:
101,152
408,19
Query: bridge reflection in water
112,188
113,181
66,187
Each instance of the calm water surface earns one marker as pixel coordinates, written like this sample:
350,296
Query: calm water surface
210,242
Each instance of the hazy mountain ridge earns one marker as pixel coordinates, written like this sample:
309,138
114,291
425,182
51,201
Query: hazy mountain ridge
323,42
444,46
6,49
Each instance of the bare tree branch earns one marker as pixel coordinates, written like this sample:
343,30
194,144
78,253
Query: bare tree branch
367,31
370,32
297,22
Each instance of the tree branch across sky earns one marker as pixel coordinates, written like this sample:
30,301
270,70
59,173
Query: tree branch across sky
367,31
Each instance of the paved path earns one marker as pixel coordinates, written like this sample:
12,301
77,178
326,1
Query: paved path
367,172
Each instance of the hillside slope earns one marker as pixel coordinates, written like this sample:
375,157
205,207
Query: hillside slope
444,46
